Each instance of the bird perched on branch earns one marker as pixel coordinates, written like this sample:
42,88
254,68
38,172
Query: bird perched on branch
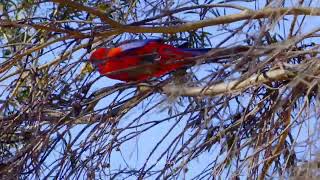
140,60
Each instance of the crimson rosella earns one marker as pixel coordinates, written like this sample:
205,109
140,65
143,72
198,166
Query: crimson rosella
140,60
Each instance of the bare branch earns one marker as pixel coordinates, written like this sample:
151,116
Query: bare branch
231,87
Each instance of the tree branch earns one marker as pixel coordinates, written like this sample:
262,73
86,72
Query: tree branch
94,11
230,87
245,15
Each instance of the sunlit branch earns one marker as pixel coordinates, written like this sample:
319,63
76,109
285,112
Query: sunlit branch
94,11
272,13
234,86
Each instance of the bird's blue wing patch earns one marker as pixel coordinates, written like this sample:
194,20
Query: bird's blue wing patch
134,44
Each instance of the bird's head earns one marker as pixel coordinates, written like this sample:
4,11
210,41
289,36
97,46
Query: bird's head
99,56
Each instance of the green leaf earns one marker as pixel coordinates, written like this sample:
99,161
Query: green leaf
6,52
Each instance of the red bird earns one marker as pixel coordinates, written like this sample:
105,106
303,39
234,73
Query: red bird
140,60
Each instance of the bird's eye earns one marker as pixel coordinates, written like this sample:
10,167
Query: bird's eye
97,61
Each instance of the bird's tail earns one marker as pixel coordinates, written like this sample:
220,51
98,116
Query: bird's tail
196,51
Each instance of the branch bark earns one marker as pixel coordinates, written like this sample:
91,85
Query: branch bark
230,87
94,11
244,15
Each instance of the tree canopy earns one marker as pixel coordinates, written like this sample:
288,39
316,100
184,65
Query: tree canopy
247,108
